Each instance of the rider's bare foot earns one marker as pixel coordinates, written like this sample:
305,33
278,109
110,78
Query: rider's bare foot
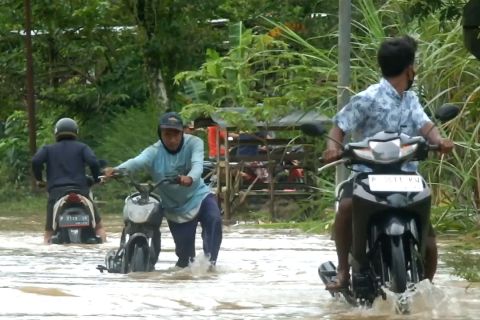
47,237
341,282
100,231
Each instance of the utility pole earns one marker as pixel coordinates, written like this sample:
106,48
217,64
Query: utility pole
30,92
344,48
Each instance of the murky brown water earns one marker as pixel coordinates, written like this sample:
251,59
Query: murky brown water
261,274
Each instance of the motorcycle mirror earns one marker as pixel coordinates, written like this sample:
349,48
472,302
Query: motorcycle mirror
471,27
447,112
313,129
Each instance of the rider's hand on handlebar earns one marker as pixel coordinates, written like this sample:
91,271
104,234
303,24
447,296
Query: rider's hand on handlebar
331,154
109,172
445,146
185,181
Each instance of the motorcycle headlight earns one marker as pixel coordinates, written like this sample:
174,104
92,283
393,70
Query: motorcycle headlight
385,151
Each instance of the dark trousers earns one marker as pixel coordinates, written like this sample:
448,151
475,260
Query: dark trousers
184,233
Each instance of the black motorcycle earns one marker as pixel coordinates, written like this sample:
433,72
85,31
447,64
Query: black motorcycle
73,218
391,213
142,216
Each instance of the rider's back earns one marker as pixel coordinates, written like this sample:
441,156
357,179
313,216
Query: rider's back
381,108
65,163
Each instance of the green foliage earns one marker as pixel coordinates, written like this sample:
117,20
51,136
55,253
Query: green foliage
248,10
128,134
313,227
445,73
464,263
84,63
19,201
446,10
100,61
259,73
14,149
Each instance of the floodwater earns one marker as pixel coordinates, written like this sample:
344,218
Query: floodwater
261,274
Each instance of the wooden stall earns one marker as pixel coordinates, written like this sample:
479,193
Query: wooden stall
275,170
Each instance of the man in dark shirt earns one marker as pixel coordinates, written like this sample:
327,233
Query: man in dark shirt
65,162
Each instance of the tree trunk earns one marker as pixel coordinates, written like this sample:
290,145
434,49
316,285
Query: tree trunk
30,91
147,20
158,89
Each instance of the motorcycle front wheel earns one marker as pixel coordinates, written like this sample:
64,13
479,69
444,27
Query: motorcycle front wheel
397,267
416,263
139,259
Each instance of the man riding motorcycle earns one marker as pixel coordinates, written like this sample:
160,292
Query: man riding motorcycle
65,162
389,105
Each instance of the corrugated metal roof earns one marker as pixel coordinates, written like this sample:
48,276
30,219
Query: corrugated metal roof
292,120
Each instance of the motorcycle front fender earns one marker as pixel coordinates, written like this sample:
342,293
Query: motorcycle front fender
395,226
136,238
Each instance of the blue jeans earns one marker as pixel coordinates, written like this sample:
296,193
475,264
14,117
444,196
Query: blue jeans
184,233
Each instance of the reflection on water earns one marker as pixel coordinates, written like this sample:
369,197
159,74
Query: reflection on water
261,274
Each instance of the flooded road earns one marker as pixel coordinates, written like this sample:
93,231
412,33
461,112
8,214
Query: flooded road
261,274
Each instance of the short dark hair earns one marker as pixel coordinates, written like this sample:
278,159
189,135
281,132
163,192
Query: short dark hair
396,54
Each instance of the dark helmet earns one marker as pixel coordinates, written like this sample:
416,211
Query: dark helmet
66,128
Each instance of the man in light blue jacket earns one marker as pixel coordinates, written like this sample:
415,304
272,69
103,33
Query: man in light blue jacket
188,202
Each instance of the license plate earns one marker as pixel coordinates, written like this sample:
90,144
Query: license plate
74,221
395,183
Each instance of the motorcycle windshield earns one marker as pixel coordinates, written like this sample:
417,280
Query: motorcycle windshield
139,212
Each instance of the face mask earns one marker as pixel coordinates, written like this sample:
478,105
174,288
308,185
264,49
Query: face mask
410,81
173,151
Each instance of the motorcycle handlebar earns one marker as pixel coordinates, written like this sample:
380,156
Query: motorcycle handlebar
141,188
332,164
168,180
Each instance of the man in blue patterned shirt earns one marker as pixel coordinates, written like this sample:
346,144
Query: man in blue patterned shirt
387,105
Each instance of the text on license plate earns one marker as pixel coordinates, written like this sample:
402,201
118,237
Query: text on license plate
74,220
395,183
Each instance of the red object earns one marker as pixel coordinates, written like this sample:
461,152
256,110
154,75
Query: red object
73,198
212,141
295,174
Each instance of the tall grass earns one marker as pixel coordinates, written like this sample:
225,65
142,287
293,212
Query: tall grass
446,72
